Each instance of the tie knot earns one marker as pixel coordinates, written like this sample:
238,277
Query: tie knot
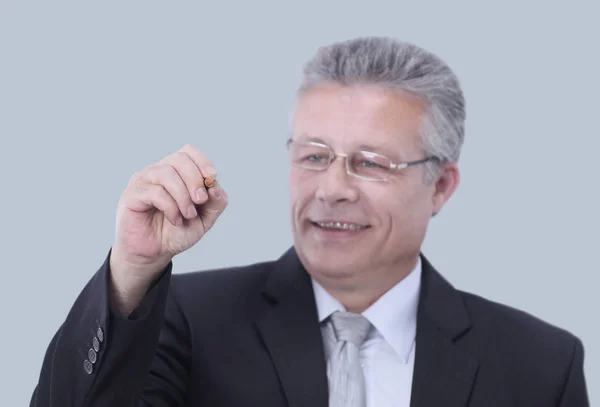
350,327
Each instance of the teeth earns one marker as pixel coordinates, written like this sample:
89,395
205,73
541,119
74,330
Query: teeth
339,225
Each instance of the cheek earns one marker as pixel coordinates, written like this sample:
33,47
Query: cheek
301,189
294,183
407,209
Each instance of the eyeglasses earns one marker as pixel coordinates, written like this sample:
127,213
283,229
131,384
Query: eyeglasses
361,164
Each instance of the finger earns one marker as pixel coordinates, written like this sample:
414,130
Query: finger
142,197
202,162
168,177
190,174
214,206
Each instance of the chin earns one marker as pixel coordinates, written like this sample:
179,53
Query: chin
321,261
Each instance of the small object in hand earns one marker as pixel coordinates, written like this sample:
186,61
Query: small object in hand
210,181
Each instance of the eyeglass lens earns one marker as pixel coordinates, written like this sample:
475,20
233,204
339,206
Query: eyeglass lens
364,164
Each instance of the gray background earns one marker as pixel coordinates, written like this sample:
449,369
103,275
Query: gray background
91,92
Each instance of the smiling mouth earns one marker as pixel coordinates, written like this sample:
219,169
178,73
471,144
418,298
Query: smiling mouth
340,226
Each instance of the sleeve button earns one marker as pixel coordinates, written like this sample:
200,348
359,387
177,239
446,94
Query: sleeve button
87,366
92,355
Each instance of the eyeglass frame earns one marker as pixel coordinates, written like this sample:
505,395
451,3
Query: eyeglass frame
333,155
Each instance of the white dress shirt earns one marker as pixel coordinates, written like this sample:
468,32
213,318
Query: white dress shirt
388,353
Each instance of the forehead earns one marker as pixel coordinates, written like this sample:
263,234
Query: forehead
358,115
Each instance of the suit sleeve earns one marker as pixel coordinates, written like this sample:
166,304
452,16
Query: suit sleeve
98,358
575,391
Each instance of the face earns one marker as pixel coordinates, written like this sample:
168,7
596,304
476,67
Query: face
386,222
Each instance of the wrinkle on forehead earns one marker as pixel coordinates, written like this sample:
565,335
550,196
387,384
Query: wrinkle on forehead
360,114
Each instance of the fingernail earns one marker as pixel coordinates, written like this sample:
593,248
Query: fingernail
200,194
192,211
218,193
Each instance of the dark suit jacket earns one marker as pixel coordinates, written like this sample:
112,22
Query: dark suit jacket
249,336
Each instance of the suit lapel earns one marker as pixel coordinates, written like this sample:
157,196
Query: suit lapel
290,330
444,374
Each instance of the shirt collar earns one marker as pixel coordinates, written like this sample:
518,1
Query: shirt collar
394,314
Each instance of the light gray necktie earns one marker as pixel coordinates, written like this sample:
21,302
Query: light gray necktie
344,371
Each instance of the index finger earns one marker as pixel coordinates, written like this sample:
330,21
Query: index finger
202,162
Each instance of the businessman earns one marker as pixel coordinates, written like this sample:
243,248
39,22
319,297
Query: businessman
353,314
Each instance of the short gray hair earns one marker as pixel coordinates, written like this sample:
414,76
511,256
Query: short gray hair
401,65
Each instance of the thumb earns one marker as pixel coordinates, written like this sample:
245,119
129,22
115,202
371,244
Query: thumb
213,207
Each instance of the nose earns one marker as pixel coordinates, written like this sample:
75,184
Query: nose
336,185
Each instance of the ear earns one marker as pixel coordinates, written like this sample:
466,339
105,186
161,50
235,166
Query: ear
444,186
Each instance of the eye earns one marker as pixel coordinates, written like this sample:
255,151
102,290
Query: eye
370,164
316,158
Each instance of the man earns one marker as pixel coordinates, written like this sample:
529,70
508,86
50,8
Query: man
354,314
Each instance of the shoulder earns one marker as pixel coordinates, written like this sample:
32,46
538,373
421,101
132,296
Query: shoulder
519,336
510,319
220,285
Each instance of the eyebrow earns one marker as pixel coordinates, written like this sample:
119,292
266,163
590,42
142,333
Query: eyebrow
383,149
308,138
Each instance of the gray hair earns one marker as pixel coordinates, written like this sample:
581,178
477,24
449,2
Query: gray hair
399,65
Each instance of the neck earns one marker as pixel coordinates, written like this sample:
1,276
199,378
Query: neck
359,291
